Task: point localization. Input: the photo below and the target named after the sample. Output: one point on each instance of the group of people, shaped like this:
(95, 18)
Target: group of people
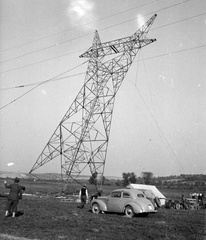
(16, 191)
(199, 197)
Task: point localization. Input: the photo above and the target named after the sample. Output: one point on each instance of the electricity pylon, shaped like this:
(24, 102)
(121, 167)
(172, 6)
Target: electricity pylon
(81, 138)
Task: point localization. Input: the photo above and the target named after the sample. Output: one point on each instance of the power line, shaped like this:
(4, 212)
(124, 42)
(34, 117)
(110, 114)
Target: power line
(31, 64)
(160, 132)
(165, 8)
(32, 84)
(150, 92)
(161, 55)
(182, 20)
(51, 35)
(54, 78)
(156, 122)
(6, 105)
(174, 52)
(54, 45)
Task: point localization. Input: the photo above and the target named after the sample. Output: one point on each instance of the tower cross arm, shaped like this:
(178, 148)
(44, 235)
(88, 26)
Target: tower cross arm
(117, 46)
(137, 40)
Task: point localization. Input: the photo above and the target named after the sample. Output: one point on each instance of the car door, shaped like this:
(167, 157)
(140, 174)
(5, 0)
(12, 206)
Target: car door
(114, 202)
(125, 198)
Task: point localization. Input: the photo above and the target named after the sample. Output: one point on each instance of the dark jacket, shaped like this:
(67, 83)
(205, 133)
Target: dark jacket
(15, 192)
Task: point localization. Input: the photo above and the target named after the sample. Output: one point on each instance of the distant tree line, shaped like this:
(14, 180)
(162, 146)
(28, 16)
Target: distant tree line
(193, 182)
(130, 177)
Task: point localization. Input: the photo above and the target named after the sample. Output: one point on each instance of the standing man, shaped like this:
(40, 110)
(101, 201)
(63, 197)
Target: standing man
(83, 195)
(15, 194)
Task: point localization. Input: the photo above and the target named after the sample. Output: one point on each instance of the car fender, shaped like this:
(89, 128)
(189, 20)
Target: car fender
(102, 204)
(137, 208)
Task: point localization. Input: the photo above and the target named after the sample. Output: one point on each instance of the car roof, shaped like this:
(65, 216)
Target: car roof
(130, 190)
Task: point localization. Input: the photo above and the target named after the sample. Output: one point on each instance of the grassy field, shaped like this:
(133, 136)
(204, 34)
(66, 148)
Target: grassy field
(45, 217)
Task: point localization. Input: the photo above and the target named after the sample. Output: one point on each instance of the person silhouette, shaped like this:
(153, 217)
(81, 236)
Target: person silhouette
(15, 194)
(83, 195)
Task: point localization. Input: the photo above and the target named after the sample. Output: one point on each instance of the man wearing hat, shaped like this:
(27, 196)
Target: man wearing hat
(15, 194)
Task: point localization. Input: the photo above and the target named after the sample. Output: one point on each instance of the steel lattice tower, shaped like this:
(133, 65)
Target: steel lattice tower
(81, 138)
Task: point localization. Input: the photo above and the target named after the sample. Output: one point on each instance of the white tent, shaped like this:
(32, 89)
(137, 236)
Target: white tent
(152, 188)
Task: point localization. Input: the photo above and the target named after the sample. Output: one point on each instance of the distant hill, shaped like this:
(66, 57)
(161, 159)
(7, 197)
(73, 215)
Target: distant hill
(13, 175)
(194, 182)
(46, 176)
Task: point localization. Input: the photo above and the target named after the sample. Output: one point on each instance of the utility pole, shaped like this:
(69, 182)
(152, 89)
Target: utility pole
(81, 138)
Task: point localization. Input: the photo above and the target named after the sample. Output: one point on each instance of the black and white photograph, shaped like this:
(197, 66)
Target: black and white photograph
(102, 119)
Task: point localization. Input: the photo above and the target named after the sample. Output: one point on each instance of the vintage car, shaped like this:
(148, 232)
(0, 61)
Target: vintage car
(127, 201)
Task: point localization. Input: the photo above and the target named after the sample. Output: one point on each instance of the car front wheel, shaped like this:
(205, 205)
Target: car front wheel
(129, 212)
(95, 208)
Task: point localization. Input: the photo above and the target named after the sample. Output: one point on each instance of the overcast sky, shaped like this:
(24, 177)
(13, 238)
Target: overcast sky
(159, 119)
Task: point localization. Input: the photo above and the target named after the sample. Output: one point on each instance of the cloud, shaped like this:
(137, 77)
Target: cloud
(43, 92)
(10, 164)
(140, 20)
(81, 12)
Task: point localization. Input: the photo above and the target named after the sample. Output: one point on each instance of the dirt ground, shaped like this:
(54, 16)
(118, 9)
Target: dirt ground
(48, 218)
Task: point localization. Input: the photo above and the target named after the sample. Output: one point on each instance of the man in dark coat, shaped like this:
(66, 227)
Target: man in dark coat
(83, 195)
(15, 194)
